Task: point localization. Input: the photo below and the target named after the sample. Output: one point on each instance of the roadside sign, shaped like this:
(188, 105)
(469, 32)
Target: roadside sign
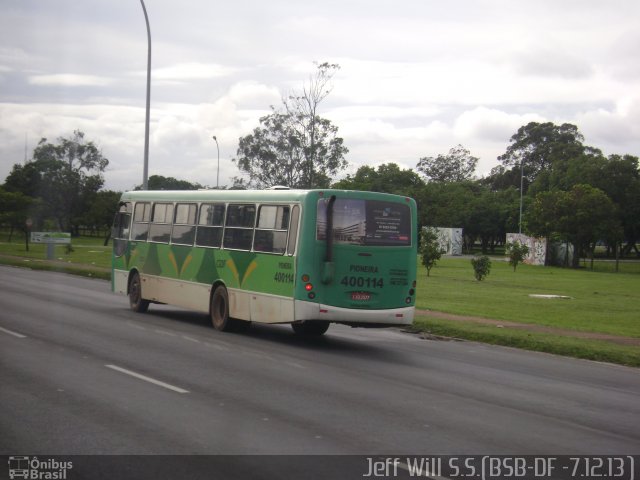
(51, 237)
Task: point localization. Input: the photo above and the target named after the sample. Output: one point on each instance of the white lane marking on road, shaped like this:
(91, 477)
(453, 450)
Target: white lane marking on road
(164, 332)
(218, 347)
(10, 332)
(147, 379)
(190, 339)
(294, 364)
(136, 326)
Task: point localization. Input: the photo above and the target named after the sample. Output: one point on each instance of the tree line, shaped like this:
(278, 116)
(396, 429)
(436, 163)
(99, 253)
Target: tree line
(547, 183)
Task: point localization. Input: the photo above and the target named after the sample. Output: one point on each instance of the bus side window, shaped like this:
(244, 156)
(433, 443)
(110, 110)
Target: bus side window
(293, 230)
(122, 222)
(120, 230)
(160, 229)
(210, 225)
(271, 230)
(141, 217)
(238, 232)
(184, 225)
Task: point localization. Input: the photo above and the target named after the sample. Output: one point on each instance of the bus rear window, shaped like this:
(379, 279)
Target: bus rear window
(366, 222)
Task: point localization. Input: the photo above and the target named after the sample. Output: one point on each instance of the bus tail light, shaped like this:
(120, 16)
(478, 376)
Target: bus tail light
(308, 286)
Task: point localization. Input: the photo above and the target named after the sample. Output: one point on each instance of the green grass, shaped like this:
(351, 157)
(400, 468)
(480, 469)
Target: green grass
(88, 256)
(541, 342)
(600, 302)
(86, 250)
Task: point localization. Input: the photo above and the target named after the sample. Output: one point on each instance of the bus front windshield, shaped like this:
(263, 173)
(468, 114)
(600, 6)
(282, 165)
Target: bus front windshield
(366, 222)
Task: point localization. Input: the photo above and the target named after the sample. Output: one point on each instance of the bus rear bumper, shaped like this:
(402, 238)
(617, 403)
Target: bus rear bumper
(355, 317)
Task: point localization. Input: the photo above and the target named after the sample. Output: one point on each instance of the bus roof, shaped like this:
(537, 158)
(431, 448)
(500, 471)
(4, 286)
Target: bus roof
(245, 195)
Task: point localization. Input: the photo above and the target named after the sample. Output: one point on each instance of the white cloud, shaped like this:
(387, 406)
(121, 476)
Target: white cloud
(70, 80)
(191, 71)
(551, 62)
(490, 125)
(618, 128)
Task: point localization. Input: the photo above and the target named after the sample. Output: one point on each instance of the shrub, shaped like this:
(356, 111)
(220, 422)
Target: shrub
(481, 267)
(517, 252)
(429, 248)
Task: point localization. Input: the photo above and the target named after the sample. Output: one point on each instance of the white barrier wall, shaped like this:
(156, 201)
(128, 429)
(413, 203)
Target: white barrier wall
(537, 247)
(450, 240)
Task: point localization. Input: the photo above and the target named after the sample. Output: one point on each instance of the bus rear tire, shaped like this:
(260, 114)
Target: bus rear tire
(136, 302)
(310, 327)
(219, 310)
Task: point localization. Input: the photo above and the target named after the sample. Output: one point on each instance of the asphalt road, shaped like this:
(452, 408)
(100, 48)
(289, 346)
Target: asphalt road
(82, 374)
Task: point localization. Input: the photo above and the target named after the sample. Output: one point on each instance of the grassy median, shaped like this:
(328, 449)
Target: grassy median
(88, 256)
(591, 302)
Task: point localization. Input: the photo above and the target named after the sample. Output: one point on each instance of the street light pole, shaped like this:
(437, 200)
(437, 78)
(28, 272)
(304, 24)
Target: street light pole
(145, 174)
(521, 187)
(218, 173)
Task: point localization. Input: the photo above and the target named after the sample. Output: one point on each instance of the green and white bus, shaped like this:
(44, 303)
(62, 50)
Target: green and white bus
(304, 257)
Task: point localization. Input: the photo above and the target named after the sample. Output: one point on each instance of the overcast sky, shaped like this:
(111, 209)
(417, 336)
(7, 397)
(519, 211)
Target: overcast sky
(417, 77)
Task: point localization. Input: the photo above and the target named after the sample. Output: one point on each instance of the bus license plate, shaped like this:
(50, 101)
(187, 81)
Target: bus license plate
(361, 296)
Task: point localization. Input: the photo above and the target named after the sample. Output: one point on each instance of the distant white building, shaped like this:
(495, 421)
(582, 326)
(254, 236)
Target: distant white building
(450, 240)
(537, 247)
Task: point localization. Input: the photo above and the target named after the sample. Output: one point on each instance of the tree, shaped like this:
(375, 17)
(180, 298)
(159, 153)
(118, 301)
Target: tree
(457, 166)
(447, 204)
(581, 216)
(65, 176)
(480, 211)
(517, 252)
(481, 267)
(536, 147)
(387, 178)
(429, 248)
(14, 210)
(99, 216)
(158, 182)
(617, 176)
(294, 146)
(492, 214)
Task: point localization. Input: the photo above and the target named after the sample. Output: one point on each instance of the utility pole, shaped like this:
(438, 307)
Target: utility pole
(145, 173)
(218, 174)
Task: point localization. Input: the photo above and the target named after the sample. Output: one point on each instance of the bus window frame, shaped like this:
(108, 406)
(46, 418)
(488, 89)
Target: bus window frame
(175, 224)
(239, 228)
(273, 229)
(146, 218)
(164, 223)
(294, 229)
(205, 226)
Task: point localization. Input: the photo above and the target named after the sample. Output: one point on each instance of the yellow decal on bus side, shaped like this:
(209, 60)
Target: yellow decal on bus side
(232, 266)
(172, 258)
(252, 266)
(186, 263)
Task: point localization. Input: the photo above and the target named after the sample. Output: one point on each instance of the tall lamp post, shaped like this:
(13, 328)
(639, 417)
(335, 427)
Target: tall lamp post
(521, 188)
(145, 173)
(218, 173)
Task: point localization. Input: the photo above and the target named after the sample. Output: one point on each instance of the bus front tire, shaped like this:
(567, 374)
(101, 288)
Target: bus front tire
(136, 302)
(310, 327)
